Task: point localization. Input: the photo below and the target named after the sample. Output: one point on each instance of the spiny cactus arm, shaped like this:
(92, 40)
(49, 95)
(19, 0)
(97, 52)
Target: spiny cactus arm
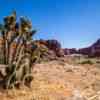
(33, 32)
(10, 21)
(15, 74)
(27, 76)
(18, 48)
(12, 31)
(20, 56)
(36, 55)
(7, 32)
(25, 25)
(1, 27)
(21, 70)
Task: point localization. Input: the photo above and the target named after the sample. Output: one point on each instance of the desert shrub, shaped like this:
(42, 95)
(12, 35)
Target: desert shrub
(17, 36)
(86, 62)
(98, 62)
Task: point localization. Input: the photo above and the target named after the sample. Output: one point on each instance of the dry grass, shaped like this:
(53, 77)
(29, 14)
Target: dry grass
(58, 81)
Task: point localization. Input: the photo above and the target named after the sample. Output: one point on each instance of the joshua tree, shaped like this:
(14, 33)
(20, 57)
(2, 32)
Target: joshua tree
(18, 61)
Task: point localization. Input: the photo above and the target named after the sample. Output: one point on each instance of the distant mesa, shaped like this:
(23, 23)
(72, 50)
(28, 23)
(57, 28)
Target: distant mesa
(55, 48)
(92, 51)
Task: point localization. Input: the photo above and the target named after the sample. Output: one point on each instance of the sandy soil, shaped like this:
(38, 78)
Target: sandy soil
(58, 80)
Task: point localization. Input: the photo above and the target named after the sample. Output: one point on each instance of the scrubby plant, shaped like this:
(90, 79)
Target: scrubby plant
(98, 62)
(87, 62)
(39, 52)
(16, 35)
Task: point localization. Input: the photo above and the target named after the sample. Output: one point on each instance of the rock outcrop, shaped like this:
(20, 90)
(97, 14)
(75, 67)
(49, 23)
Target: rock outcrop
(53, 46)
(55, 49)
(70, 51)
(91, 51)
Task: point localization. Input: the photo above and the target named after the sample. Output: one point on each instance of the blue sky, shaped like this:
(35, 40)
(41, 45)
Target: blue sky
(75, 23)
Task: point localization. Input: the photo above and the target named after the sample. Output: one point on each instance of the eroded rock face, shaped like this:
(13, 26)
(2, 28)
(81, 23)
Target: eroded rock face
(84, 51)
(54, 46)
(92, 51)
(70, 51)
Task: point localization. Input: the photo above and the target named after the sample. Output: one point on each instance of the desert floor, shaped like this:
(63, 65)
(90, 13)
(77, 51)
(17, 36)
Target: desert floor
(59, 80)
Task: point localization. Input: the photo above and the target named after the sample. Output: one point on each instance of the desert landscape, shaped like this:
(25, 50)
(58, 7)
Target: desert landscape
(60, 80)
(43, 70)
(62, 65)
(61, 76)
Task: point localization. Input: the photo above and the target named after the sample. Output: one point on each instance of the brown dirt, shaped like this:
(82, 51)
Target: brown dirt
(59, 81)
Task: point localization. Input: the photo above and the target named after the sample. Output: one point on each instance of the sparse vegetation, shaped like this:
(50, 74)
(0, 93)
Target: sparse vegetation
(86, 62)
(98, 62)
(16, 36)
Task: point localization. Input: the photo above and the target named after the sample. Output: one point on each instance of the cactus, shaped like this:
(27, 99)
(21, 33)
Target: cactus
(17, 58)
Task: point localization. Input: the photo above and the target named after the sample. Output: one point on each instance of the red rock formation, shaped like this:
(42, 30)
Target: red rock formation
(84, 51)
(52, 45)
(55, 47)
(92, 51)
(70, 51)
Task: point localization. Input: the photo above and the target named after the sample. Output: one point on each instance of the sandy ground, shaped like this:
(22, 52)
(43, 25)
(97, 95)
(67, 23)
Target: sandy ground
(58, 80)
